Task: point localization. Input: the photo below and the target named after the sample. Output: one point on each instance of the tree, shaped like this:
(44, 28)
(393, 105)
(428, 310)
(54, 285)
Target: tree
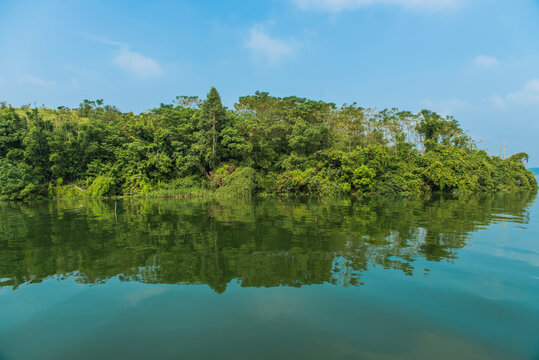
(211, 123)
(36, 142)
(267, 144)
(434, 129)
(12, 128)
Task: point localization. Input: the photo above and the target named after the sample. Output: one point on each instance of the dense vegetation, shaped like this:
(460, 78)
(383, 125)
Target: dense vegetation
(266, 145)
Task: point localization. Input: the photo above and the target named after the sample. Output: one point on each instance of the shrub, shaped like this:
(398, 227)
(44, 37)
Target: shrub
(101, 186)
(241, 182)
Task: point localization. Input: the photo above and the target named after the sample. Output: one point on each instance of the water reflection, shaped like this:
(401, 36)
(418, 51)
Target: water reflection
(265, 242)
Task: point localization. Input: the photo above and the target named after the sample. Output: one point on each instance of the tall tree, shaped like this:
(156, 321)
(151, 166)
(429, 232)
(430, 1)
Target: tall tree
(212, 122)
(36, 143)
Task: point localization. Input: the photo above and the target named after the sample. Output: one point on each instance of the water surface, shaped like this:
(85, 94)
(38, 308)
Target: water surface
(437, 278)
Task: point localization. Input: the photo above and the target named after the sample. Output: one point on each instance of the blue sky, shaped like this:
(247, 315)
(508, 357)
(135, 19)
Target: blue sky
(475, 59)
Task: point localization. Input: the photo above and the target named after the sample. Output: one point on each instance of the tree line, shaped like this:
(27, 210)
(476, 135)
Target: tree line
(264, 145)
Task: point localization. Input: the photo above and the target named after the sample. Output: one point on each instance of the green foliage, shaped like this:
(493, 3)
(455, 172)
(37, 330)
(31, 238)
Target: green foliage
(15, 181)
(268, 145)
(296, 182)
(101, 186)
(306, 182)
(240, 183)
(212, 121)
(363, 178)
(29, 191)
(436, 130)
(67, 191)
(511, 173)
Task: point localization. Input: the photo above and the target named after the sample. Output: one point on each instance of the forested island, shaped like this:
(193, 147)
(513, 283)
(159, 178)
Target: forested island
(265, 145)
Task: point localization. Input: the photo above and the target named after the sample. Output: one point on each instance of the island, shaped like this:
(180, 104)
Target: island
(265, 145)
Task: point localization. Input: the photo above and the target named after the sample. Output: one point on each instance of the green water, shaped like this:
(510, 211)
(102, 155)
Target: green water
(436, 278)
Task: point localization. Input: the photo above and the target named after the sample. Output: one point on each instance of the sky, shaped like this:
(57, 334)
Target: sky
(477, 60)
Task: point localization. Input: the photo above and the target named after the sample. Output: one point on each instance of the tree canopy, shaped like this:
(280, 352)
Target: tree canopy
(266, 144)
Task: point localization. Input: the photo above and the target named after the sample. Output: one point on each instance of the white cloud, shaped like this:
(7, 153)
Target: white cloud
(446, 107)
(36, 80)
(137, 64)
(74, 83)
(104, 40)
(133, 298)
(272, 49)
(486, 61)
(340, 5)
(498, 102)
(527, 95)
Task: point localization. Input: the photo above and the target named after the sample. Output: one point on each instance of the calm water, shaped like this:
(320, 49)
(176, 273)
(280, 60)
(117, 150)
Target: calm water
(271, 279)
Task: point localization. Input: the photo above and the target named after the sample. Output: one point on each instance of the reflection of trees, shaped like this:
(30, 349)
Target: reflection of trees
(268, 242)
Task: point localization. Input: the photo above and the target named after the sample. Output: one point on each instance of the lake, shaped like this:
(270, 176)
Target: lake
(380, 278)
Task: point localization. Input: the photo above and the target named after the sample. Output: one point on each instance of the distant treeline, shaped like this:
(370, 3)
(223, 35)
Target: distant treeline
(267, 145)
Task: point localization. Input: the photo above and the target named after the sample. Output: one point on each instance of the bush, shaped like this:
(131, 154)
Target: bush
(307, 182)
(362, 178)
(136, 184)
(101, 186)
(29, 191)
(241, 182)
